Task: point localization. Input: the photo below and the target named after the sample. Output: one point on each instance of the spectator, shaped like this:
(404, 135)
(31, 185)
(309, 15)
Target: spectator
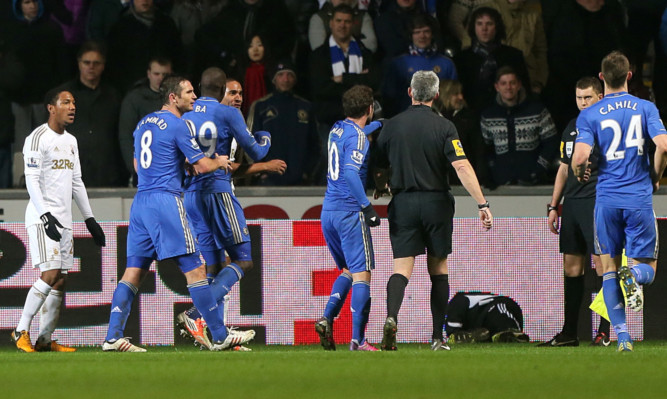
(39, 45)
(143, 99)
(221, 42)
(96, 124)
(141, 32)
(519, 132)
(335, 67)
(291, 122)
(102, 16)
(579, 36)
(257, 69)
(11, 75)
(422, 55)
(478, 64)
(302, 11)
(459, 17)
(525, 31)
(453, 106)
(190, 15)
(362, 25)
(391, 27)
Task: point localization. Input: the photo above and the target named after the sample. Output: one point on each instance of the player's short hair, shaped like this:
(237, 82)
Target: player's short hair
(213, 82)
(158, 59)
(589, 81)
(356, 101)
(507, 70)
(494, 15)
(424, 85)
(92, 45)
(51, 97)
(615, 68)
(171, 84)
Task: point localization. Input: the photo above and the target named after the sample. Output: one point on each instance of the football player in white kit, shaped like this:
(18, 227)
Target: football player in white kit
(53, 177)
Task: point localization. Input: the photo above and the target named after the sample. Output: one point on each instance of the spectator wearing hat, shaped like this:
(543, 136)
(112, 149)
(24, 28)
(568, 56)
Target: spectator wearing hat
(291, 122)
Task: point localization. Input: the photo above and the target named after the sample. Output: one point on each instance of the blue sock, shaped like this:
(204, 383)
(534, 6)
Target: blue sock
(202, 297)
(613, 299)
(644, 274)
(225, 280)
(361, 298)
(121, 304)
(338, 295)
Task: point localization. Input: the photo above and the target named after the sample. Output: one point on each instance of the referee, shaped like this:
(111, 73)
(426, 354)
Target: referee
(419, 144)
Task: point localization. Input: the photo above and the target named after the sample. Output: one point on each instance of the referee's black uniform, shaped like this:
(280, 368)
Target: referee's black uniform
(419, 145)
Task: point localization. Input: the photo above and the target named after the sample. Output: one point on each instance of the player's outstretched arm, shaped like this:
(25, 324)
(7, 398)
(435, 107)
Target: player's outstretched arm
(468, 178)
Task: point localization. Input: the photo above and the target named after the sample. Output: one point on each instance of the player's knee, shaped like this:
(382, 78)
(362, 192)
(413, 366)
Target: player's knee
(245, 265)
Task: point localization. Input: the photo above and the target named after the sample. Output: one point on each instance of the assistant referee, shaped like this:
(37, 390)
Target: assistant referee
(419, 144)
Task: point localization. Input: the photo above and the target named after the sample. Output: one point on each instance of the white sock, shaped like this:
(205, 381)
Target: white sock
(36, 297)
(49, 316)
(225, 309)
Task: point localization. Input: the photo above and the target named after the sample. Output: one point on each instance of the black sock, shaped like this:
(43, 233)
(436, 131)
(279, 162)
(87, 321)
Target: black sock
(395, 291)
(439, 298)
(574, 292)
(604, 323)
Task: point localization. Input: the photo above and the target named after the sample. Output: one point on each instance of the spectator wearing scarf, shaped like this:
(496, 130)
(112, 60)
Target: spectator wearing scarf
(422, 55)
(340, 63)
(477, 65)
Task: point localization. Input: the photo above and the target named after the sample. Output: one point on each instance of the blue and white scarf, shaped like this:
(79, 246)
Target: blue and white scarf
(355, 60)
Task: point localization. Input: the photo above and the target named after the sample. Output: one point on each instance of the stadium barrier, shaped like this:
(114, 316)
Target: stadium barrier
(289, 286)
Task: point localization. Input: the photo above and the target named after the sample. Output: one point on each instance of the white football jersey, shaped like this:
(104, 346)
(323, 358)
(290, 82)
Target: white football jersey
(54, 158)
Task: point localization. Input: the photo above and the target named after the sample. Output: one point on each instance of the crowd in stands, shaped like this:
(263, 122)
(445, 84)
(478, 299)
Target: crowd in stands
(507, 67)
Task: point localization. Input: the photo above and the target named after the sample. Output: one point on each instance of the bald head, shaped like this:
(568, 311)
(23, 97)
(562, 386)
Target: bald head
(213, 83)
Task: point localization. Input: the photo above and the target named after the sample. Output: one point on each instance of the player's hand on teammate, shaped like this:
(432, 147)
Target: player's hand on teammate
(51, 225)
(276, 166)
(96, 231)
(223, 162)
(372, 217)
(190, 169)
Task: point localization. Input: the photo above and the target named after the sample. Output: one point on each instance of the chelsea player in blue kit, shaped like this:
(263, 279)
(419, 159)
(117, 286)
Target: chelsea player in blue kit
(624, 215)
(158, 223)
(346, 217)
(215, 213)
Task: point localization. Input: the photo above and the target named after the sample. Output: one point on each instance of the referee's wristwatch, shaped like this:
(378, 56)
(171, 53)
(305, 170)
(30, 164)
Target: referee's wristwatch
(483, 206)
(551, 208)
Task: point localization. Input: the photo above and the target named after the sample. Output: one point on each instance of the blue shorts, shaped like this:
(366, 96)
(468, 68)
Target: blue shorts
(159, 227)
(634, 229)
(349, 240)
(218, 223)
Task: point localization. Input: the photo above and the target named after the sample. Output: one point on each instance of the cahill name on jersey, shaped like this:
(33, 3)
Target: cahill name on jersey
(621, 126)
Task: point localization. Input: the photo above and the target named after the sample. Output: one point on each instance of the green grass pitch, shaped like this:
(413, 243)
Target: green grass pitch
(467, 371)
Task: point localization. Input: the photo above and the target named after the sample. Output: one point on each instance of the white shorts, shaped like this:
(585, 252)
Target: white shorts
(48, 254)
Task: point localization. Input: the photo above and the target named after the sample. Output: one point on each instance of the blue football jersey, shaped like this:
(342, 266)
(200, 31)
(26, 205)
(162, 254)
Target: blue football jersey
(162, 141)
(621, 126)
(216, 125)
(347, 148)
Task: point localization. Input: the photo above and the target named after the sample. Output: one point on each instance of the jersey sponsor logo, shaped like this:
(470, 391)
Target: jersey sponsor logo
(62, 164)
(357, 156)
(568, 148)
(458, 148)
(33, 162)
